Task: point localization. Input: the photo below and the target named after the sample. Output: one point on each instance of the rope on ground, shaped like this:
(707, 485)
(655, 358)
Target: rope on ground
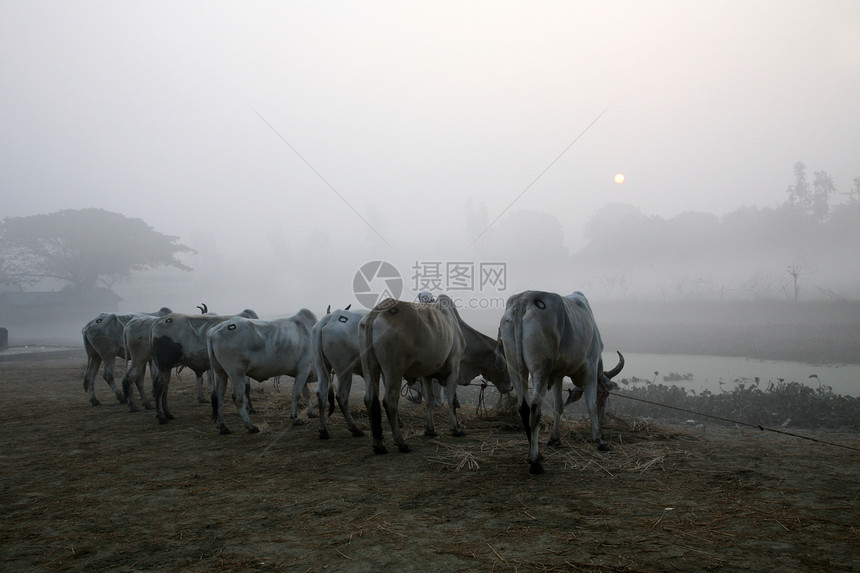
(410, 393)
(759, 426)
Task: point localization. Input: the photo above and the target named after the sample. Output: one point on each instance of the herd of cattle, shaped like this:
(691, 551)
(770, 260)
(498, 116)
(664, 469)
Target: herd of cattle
(543, 337)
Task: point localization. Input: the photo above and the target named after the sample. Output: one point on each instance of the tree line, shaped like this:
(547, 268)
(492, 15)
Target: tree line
(807, 246)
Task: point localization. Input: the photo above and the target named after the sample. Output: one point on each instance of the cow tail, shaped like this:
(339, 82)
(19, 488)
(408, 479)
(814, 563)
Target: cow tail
(518, 342)
(368, 359)
(369, 367)
(90, 350)
(519, 365)
(321, 367)
(316, 344)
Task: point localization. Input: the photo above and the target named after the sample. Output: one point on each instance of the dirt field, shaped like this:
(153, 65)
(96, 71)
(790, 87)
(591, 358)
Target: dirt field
(99, 488)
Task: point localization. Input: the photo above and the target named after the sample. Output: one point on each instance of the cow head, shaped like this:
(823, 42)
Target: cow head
(604, 384)
(608, 375)
(501, 363)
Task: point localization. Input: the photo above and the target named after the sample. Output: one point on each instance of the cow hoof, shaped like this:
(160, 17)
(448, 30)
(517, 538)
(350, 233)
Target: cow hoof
(536, 468)
(604, 448)
(430, 433)
(554, 442)
(324, 435)
(149, 406)
(458, 433)
(312, 414)
(161, 419)
(252, 410)
(224, 430)
(253, 430)
(95, 402)
(123, 401)
(404, 448)
(379, 450)
(356, 433)
(170, 417)
(298, 422)
(133, 408)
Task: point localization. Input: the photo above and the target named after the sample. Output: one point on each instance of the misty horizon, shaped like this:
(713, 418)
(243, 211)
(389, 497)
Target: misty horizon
(290, 144)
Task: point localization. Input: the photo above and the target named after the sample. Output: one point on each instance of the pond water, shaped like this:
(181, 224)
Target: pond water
(709, 371)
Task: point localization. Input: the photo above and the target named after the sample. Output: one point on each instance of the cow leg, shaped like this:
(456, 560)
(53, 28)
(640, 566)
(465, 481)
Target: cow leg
(240, 384)
(439, 394)
(371, 403)
(451, 391)
(390, 403)
(251, 409)
(590, 395)
(133, 376)
(299, 387)
(429, 406)
(93, 363)
(322, 397)
(200, 397)
(216, 398)
(344, 387)
(140, 385)
(127, 392)
(557, 410)
(107, 374)
(539, 387)
(159, 391)
(306, 393)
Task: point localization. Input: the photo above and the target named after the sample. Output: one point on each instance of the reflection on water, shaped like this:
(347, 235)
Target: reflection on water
(709, 371)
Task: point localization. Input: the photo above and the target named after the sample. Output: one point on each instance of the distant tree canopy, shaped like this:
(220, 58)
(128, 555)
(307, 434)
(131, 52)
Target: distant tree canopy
(85, 248)
(814, 200)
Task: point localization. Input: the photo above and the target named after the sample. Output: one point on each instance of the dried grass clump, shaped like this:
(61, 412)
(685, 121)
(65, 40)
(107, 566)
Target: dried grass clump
(638, 447)
(456, 458)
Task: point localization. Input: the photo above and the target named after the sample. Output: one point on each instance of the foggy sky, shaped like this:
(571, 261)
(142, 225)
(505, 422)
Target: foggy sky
(428, 119)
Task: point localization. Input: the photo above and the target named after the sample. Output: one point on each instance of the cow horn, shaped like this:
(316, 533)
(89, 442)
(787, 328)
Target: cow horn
(328, 309)
(203, 308)
(614, 372)
(347, 306)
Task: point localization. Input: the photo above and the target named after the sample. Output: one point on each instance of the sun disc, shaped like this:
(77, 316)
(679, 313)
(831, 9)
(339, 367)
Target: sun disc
(619, 178)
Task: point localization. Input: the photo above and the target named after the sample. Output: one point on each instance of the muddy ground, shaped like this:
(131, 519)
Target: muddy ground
(88, 488)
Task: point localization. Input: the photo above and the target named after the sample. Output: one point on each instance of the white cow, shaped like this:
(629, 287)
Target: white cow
(103, 342)
(400, 340)
(335, 348)
(241, 348)
(139, 352)
(180, 340)
(549, 336)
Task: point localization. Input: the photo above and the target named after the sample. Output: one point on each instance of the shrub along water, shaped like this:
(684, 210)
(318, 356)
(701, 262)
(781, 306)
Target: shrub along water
(781, 404)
